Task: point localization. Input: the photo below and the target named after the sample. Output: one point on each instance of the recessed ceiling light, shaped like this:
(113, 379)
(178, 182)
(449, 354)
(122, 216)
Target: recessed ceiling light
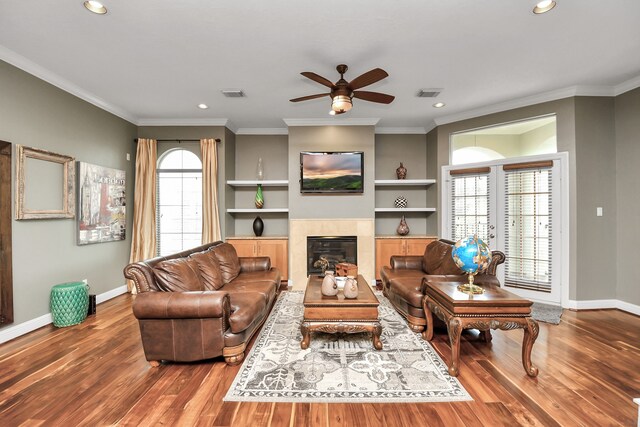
(203, 106)
(544, 6)
(439, 104)
(95, 7)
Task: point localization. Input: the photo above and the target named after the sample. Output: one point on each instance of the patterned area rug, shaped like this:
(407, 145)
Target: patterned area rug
(342, 367)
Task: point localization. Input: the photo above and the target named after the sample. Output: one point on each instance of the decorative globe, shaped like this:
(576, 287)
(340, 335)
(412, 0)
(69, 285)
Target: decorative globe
(471, 254)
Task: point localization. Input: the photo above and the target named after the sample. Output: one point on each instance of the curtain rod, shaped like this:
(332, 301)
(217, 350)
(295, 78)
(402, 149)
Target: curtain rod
(178, 140)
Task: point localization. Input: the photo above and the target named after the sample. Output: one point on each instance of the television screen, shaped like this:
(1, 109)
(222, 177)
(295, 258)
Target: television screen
(337, 172)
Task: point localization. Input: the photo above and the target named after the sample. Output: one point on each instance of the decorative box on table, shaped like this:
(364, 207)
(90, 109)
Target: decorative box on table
(346, 269)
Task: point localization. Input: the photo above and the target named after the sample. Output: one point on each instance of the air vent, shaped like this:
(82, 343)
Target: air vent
(233, 93)
(429, 93)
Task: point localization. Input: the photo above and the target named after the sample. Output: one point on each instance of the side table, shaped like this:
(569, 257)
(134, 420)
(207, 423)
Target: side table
(495, 309)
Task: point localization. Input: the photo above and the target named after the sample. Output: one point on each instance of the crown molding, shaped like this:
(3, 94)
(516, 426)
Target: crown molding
(627, 86)
(401, 131)
(262, 131)
(184, 122)
(331, 122)
(36, 70)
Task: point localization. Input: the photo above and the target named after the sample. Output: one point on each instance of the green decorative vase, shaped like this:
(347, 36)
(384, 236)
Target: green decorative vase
(69, 303)
(259, 197)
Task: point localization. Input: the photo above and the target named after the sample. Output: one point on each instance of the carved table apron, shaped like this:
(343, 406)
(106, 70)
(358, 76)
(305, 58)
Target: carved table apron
(495, 309)
(336, 314)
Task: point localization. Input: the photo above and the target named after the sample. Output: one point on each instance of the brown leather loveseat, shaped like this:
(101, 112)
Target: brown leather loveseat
(201, 303)
(402, 282)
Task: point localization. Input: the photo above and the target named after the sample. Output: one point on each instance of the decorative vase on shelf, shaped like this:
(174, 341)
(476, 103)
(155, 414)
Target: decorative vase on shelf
(259, 197)
(329, 286)
(259, 170)
(351, 288)
(403, 228)
(401, 202)
(401, 172)
(258, 226)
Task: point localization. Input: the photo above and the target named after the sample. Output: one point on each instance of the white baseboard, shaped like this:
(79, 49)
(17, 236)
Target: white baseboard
(604, 304)
(11, 332)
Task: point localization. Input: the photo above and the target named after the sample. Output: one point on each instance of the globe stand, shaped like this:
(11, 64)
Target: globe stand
(470, 288)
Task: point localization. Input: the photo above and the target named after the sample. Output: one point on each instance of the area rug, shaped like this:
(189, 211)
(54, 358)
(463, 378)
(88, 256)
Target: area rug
(341, 367)
(546, 313)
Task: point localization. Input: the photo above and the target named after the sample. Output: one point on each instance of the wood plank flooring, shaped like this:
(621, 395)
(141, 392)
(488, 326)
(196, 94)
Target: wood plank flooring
(95, 374)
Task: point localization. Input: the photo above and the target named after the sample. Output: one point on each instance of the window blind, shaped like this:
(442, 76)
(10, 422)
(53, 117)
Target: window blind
(470, 205)
(528, 226)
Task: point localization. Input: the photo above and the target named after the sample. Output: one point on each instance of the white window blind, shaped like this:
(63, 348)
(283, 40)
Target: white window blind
(470, 205)
(528, 226)
(178, 202)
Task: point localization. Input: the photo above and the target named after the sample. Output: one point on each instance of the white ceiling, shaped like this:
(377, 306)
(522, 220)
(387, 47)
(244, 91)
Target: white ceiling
(152, 62)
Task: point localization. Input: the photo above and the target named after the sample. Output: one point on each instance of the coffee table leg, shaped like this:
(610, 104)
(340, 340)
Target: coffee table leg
(375, 333)
(427, 333)
(455, 330)
(531, 330)
(306, 336)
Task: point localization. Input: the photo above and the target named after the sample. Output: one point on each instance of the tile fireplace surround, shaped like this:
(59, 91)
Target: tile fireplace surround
(299, 229)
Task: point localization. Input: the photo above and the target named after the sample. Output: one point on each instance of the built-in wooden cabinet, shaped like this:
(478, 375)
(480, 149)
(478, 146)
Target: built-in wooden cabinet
(386, 247)
(275, 248)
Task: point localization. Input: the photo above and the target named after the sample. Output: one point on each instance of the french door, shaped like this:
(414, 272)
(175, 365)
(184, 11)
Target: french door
(515, 206)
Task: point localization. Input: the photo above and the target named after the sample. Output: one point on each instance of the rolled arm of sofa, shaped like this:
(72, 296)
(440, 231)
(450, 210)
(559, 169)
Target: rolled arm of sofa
(497, 258)
(406, 262)
(140, 275)
(254, 263)
(182, 305)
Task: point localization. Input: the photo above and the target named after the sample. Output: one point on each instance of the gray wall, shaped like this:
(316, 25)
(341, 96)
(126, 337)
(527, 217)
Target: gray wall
(566, 134)
(36, 114)
(595, 186)
(331, 138)
(627, 126)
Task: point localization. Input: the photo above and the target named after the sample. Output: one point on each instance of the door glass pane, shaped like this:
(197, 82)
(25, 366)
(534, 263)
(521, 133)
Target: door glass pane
(470, 204)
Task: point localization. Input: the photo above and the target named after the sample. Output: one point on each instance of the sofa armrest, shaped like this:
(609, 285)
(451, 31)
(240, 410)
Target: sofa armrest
(407, 262)
(140, 275)
(254, 263)
(497, 258)
(182, 305)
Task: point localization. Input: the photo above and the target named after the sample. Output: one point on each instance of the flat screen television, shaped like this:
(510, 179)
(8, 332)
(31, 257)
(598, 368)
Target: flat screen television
(332, 172)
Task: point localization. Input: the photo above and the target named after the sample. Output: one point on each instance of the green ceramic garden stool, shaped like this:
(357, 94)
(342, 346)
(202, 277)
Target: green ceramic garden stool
(69, 303)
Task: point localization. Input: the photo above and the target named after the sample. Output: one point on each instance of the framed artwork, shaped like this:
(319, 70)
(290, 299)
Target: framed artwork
(102, 204)
(44, 184)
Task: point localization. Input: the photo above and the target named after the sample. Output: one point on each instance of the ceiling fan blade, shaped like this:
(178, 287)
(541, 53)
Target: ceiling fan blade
(381, 98)
(306, 98)
(317, 78)
(368, 78)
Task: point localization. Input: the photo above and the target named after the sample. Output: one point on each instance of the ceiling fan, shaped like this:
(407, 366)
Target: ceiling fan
(343, 92)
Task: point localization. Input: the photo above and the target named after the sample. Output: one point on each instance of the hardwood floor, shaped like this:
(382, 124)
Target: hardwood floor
(95, 374)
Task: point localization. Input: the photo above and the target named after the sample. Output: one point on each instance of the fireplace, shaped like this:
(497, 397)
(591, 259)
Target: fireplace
(333, 249)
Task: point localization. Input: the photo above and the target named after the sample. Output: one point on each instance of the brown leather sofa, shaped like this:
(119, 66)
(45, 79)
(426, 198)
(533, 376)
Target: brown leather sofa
(201, 303)
(402, 282)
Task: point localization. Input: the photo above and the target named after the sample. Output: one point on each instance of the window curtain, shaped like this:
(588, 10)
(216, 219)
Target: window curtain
(143, 241)
(210, 214)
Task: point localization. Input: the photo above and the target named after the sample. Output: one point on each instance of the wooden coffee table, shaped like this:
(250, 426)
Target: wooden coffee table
(338, 314)
(495, 309)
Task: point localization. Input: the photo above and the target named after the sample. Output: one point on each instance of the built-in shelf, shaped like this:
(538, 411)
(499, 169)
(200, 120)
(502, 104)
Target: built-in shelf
(403, 182)
(405, 209)
(254, 210)
(265, 183)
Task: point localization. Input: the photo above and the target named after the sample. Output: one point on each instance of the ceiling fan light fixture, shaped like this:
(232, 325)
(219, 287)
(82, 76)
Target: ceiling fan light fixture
(95, 7)
(544, 6)
(341, 104)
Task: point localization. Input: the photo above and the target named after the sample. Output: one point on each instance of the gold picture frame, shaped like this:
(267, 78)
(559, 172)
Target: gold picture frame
(25, 182)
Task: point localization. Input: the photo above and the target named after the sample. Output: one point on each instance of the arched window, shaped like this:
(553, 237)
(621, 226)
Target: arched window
(179, 201)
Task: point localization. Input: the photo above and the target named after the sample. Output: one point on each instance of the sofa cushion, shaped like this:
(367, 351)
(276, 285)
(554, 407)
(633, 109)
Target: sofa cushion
(437, 259)
(407, 288)
(209, 267)
(266, 288)
(178, 275)
(229, 262)
(247, 308)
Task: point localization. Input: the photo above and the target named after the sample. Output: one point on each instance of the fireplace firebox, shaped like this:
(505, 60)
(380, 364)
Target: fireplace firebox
(330, 250)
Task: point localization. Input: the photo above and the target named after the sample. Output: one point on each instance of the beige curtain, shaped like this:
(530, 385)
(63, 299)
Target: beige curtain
(210, 214)
(143, 241)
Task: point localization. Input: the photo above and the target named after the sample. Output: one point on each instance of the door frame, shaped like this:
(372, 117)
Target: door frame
(564, 217)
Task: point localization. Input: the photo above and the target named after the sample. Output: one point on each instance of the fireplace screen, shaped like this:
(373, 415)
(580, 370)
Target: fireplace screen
(329, 251)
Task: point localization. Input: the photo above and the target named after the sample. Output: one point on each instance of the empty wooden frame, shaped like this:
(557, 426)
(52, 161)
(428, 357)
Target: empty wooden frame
(45, 184)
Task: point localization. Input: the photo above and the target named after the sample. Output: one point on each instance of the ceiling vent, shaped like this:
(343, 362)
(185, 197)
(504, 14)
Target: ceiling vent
(233, 93)
(429, 93)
